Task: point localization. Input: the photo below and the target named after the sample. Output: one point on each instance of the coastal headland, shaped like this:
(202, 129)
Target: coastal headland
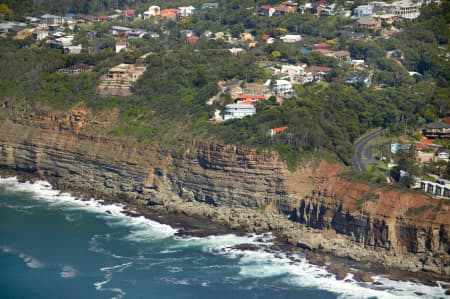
(313, 208)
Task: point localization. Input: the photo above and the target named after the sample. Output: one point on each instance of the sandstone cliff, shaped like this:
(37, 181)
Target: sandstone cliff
(313, 207)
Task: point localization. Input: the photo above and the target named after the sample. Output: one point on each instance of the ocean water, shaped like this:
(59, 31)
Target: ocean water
(53, 246)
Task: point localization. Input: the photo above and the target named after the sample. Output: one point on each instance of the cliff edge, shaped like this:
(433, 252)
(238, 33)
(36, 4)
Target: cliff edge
(314, 207)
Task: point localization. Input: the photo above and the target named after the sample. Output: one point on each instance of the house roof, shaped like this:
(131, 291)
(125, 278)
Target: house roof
(279, 129)
(265, 37)
(446, 120)
(128, 12)
(341, 53)
(265, 7)
(251, 96)
(192, 39)
(322, 46)
(438, 125)
(367, 20)
(323, 51)
(317, 69)
(79, 67)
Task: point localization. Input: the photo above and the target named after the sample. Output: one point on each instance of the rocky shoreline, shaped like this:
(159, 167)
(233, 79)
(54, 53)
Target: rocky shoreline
(200, 219)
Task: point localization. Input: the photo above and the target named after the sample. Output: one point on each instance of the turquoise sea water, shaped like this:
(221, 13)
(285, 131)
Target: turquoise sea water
(53, 246)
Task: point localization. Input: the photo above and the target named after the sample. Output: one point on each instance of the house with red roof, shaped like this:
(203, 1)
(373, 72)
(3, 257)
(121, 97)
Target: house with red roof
(129, 14)
(169, 14)
(250, 97)
(266, 10)
(275, 131)
(192, 39)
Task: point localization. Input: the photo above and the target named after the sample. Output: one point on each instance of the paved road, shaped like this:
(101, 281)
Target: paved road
(357, 158)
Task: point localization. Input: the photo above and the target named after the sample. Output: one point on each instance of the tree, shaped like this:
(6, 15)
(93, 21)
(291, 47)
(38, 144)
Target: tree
(407, 167)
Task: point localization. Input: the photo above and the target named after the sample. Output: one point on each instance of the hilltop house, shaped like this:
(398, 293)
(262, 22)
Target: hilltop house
(405, 9)
(282, 88)
(153, 11)
(119, 79)
(437, 130)
(368, 23)
(186, 11)
(233, 111)
(121, 45)
(291, 38)
(275, 131)
(76, 69)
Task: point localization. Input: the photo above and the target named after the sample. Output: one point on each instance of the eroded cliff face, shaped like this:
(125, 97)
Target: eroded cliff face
(313, 207)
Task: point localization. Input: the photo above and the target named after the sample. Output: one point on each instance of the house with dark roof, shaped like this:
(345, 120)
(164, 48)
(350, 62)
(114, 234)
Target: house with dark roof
(437, 130)
(76, 69)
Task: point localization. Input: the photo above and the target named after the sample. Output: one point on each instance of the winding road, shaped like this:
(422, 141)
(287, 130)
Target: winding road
(357, 159)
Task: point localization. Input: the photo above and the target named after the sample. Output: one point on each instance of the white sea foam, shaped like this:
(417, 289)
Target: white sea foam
(68, 272)
(30, 261)
(256, 264)
(260, 264)
(141, 228)
(108, 276)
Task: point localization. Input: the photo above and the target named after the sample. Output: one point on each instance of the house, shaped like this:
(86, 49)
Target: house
(119, 79)
(136, 33)
(213, 5)
(119, 31)
(192, 39)
(368, 23)
(255, 88)
(283, 88)
(76, 69)
(153, 11)
(291, 38)
(268, 39)
(322, 46)
(437, 130)
(128, 14)
(266, 10)
(121, 45)
(169, 14)
(39, 34)
(233, 111)
(246, 36)
(237, 51)
(49, 19)
(443, 155)
(249, 97)
(186, 11)
(363, 10)
(73, 49)
(317, 72)
(62, 42)
(283, 10)
(342, 55)
(275, 131)
(405, 9)
(424, 143)
(324, 52)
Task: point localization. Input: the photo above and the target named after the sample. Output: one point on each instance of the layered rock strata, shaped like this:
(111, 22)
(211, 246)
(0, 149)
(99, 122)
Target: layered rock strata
(241, 188)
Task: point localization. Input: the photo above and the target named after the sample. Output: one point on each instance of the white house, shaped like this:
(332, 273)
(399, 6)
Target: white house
(152, 11)
(282, 87)
(186, 11)
(40, 34)
(363, 10)
(291, 38)
(120, 45)
(405, 9)
(238, 111)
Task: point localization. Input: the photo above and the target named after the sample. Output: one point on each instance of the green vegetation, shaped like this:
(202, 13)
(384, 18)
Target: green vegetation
(169, 102)
(418, 211)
